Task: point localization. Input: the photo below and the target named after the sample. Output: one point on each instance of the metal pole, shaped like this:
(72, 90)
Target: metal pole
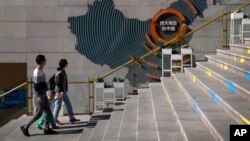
(29, 99)
(222, 32)
(227, 43)
(91, 97)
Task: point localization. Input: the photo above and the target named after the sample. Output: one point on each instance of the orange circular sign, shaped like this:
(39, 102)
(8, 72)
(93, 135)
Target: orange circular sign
(168, 24)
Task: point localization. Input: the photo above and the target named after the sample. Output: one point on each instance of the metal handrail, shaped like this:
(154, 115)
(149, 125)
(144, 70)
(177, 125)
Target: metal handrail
(14, 83)
(12, 90)
(79, 82)
(28, 84)
(167, 43)
(25, 84)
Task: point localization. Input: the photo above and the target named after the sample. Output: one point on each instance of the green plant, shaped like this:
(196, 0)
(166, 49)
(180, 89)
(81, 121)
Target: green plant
(162, 46)
(108, 85)
(176, 51)
(247, 16)
(238, 11)
(121, 80)
(186, 46)
(97, 79)
(117, 79)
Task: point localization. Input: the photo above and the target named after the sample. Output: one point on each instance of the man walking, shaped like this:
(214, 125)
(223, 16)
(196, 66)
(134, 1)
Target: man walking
(40, 88)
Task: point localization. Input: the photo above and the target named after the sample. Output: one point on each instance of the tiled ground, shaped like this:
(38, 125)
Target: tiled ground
(67, 132)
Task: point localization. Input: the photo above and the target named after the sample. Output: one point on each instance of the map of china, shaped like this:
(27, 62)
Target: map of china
(106, 37)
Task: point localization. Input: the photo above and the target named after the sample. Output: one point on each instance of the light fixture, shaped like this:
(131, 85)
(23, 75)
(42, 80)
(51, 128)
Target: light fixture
(235, 58)
(221, 65)
(209, 73)
(242, 60)
(194, 79)
(225, 67)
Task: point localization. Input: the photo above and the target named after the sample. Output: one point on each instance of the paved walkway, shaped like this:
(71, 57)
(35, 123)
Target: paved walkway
(67, 132)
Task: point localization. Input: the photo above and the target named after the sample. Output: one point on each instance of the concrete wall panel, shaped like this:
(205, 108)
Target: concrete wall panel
(13, 44)
(13, 57)
(41, 2)
(13, 13)
(41, 29)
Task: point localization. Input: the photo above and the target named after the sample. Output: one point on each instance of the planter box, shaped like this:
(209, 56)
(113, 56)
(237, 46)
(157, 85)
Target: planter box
(119, 91)
(187, 54)
(186, 51)
(99, 96)
(166, 62)
(237, 16)
(176, 57)
(167, 51)
(109, 96)
(99, 85)
(246, 21)
(247, 41)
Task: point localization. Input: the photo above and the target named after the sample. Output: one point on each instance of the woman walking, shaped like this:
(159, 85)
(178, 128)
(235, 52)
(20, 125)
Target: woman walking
(61, 90)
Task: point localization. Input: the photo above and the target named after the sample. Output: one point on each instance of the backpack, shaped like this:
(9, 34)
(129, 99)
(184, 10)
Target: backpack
(52, 83)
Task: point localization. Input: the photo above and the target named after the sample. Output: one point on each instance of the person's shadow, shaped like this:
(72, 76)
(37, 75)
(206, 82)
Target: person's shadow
(76, 128)
(75, 131)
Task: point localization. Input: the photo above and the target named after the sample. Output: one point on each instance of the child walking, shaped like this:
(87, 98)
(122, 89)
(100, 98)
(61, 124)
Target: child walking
(51, 98)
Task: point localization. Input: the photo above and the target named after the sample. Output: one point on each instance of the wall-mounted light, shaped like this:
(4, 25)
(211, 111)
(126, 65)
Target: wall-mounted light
(225, 67)
(235, 58)
(248, 51)
(209, 73)
(221, 65)
(194, 79)
(242, 60)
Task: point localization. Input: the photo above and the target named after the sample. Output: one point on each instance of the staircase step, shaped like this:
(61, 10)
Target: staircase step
(147, 123)
(12, 125)
(236, 106)
(128, 130)
(214, 118)
(185, 113)
(227, 64)
(112, 131)
(247, 41)
(97, 121)
(237, 84)
(236, 56)
(240, 48)
(100, 127)
(167, 124)
(86, 134)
